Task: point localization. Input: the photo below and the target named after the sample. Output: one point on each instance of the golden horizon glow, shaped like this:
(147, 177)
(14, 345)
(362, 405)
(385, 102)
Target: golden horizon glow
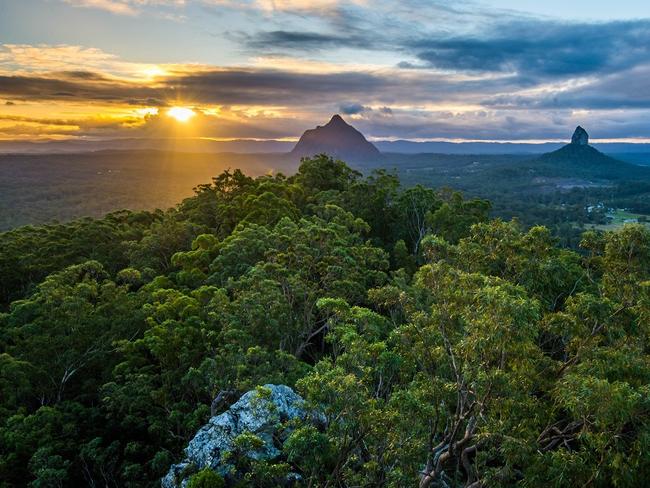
(181, 114)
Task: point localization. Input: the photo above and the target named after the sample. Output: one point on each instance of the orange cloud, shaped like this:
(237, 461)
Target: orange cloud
(123, 7)
(112, 6)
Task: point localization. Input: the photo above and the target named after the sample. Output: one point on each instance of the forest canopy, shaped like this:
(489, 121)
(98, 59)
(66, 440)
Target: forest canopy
(444, 349)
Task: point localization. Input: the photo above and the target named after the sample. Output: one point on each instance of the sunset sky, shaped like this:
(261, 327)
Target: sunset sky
(268, 69)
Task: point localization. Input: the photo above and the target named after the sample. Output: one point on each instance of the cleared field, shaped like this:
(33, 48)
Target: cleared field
(620, 217)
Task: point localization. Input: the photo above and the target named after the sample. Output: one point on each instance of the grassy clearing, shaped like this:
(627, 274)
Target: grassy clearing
(619, 218)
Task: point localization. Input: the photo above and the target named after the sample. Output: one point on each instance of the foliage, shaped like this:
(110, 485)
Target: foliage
(443, 348)
(206, 478)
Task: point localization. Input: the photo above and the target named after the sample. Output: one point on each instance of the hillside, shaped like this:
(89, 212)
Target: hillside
(321, 329)
(556, 189)
(579, 159)
(573, 167)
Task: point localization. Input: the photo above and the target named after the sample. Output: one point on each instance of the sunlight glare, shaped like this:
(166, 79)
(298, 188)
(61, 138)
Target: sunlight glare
(153, 71)
(181, 114)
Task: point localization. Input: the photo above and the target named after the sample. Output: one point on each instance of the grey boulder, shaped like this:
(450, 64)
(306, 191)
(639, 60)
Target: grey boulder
(264, 413)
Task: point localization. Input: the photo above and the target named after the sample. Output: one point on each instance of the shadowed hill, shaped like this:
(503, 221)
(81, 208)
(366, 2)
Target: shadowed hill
(580, 159)
(337, 138)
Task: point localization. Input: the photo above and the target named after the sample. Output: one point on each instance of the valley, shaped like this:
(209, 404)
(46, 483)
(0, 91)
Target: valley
(43, 188)
(555, 189)
(570, 189)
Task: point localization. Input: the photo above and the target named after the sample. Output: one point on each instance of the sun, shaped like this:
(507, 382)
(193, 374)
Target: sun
(181, 114)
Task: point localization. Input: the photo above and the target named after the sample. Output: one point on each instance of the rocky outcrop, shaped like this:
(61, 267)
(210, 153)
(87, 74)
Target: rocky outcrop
(580, 137)
(579, 159)
(265, 412)
(337, 138)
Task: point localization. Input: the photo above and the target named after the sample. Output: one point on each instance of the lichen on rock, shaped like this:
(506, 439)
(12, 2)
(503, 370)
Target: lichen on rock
(266, 412)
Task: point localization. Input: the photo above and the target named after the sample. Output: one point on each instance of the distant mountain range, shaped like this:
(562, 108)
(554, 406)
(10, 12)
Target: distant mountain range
(242, 146)
(67, 180)
(411, 147)
(336, 137)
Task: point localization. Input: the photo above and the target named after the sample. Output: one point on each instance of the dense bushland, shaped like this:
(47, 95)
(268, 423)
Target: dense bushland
(445, 349)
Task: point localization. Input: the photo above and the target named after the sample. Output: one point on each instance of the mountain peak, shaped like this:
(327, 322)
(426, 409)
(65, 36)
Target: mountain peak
(580, 137)
(579, 155)
(337, 120)
(337, 138)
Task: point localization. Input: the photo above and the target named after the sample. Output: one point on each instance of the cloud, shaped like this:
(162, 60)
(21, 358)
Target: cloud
(247, 86)
(112, 6)
(435, 72)
(482, 41)
(299, 40)
(253, 86)
(226, 123)
(394, 103)
(26, 57)
(541, 48)
(624, 90)
(302, 5)
(73, 62)
(37, 120)
(42, 88)
(137, 7)
(354, 108)
(124, 7)
(532, 77)
(380, 25)
(313, 7)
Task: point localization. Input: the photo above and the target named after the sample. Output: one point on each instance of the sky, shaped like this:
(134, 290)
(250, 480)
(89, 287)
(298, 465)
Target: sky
(495, 70)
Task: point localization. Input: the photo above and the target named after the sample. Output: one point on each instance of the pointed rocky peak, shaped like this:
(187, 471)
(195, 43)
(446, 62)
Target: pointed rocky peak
(337, 120)
(580, 137)
(580, 155)
(336, 138)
